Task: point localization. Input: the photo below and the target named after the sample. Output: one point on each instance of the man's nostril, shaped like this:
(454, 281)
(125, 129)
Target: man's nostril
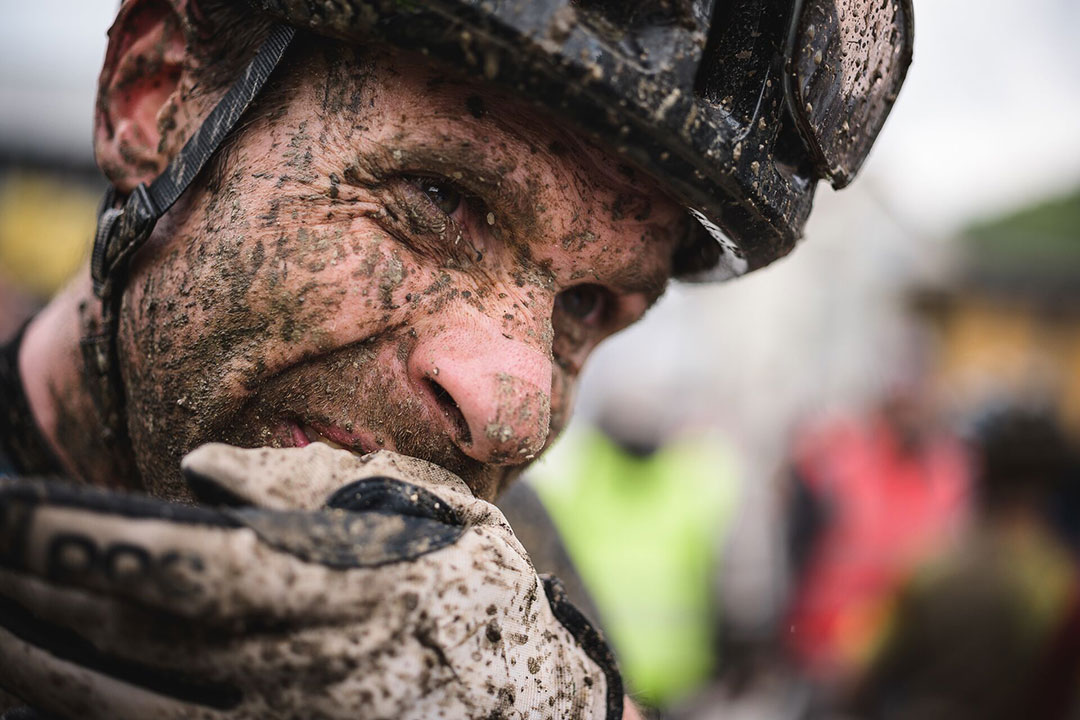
(442, 396)
(450, 408)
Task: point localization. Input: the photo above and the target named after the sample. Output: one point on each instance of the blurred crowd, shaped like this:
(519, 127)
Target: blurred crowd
(931, 573)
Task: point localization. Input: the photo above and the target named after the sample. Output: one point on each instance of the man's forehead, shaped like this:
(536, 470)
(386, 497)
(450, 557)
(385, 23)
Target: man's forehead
(551, 188)
(407, 91)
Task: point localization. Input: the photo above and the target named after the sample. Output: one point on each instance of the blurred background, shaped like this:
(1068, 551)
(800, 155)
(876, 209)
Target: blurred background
(814, 491)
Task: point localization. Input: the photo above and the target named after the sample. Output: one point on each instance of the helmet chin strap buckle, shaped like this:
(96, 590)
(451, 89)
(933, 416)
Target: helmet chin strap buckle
(120, 231)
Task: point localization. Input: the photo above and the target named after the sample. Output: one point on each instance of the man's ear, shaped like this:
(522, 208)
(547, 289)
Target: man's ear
(141, 108)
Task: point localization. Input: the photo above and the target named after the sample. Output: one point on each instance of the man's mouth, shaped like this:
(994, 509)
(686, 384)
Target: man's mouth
(358, 443)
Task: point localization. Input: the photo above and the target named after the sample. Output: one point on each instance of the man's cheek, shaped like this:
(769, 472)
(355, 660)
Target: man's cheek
(355, 389)
(218, 314)
(323, 289)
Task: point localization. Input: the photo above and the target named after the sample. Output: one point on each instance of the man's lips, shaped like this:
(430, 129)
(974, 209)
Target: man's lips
(358, 443)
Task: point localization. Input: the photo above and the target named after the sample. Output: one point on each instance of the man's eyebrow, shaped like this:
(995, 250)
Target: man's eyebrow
(474, 167)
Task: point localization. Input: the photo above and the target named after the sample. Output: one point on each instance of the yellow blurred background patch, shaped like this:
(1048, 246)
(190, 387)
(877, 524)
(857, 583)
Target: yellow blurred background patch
(46, 229)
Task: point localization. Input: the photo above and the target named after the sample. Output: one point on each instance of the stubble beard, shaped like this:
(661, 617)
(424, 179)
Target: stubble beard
(348, 388)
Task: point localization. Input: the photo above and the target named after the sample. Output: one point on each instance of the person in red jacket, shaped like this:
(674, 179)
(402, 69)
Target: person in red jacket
(991, 628)
(875, 495)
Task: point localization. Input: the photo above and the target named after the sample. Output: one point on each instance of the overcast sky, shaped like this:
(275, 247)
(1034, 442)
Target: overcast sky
(990, 115)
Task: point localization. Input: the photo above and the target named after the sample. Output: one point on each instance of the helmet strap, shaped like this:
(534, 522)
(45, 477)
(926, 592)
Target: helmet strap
(122, 230)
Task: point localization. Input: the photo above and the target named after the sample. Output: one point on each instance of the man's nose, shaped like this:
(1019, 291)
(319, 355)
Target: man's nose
(493, 391)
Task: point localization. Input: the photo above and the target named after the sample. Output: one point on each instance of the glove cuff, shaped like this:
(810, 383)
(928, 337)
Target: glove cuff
(590, 639)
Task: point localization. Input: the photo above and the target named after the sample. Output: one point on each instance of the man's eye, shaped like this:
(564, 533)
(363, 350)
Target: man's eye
(586, 303)
(445, 196)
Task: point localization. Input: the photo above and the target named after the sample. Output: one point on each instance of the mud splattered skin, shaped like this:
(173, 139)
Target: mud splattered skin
(386, 257)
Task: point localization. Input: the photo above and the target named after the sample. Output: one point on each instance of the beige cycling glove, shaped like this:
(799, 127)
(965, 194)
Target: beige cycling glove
(319, 585)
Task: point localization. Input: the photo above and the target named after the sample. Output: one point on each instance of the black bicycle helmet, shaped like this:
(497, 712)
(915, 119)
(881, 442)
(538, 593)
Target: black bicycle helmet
(737, 108)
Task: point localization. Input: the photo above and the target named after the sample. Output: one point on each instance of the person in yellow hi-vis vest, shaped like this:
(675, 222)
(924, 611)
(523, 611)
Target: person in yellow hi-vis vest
(643, 520)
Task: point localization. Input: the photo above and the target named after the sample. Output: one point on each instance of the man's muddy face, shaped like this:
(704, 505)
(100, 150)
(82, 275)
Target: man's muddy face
(394, 259)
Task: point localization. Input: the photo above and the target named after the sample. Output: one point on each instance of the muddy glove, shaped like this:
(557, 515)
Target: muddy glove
(331, 586)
